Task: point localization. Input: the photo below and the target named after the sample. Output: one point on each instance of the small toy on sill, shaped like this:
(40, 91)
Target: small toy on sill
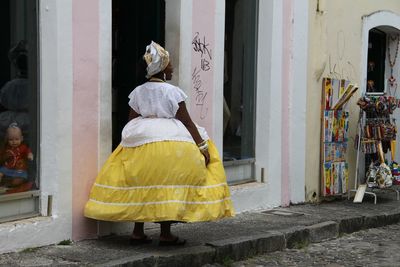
(14, 158)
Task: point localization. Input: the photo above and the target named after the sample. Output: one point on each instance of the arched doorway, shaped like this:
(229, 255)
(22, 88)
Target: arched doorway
(380, 72)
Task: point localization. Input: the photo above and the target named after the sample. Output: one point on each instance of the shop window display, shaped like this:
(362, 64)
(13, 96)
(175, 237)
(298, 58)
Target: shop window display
(18, 107)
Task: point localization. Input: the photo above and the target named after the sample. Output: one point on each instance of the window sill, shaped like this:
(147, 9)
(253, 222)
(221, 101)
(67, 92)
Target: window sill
(22, 195)
(239, 162)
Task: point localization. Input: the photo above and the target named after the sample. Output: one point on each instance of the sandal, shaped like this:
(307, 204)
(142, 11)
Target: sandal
(174, 242)
(140, 241)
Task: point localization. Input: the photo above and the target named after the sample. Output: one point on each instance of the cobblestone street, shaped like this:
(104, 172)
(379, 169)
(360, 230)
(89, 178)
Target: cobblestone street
(373, 247)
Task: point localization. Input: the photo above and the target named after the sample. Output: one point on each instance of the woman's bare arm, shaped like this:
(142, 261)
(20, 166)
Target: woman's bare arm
(183, 115)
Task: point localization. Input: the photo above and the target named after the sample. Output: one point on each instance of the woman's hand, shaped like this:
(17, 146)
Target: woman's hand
(206, 156)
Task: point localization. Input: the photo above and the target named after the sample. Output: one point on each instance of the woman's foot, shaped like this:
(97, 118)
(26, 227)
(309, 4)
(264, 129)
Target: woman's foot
(138, 237)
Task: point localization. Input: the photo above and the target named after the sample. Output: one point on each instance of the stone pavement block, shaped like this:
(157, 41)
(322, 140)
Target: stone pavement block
(145, 261)
(350, 225)
(323, 231)
(297, 237)
(373, 221)
(246, 246)
(187, 256)
(392, 217)
(168, 256)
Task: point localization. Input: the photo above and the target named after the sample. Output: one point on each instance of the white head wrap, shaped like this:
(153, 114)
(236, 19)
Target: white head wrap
(156, 57)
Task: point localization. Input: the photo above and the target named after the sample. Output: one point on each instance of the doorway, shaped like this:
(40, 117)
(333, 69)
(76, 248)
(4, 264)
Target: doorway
(134, 25)
(376, 60)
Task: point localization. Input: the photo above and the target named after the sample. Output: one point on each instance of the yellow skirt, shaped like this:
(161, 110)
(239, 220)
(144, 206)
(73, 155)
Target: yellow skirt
(160, 181)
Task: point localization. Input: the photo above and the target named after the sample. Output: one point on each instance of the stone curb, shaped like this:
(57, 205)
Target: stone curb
(234, 249)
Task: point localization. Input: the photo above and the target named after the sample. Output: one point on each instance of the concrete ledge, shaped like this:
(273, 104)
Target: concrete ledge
(186, 256)
(323, 231)
(297, 237)
(190, 256)
(143, 261)
(243, 247)
(392, 218)
(350, 225)
(239, 248)
(374, 221)
(236, 238)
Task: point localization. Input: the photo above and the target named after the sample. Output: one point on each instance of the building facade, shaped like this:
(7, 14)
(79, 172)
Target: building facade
(252, 73)
(345, 38)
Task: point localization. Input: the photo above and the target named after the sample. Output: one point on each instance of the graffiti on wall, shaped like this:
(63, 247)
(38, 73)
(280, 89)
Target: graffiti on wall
(203, 64)
(340, 67)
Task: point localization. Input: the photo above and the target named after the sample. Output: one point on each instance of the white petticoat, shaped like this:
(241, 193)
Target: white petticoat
(140, 131)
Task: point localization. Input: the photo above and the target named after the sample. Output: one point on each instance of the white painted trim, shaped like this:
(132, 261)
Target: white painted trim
(178, 40)
(218, 97)
(298, 101)
(172, 35)
(185, 52)
(105, 93)
(105, 80)
(268, 106)
(55, 55)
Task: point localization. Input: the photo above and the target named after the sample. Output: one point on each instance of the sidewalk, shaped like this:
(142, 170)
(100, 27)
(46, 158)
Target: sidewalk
(245, 235)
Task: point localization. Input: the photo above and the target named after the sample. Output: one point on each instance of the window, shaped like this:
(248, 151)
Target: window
(19, 92)
(239, 82)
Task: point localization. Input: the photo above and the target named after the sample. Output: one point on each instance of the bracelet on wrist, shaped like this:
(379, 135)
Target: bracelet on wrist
(204, 142)
(203, 148)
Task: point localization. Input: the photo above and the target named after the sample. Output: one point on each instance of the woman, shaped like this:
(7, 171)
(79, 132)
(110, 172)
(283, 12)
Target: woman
(165, 169)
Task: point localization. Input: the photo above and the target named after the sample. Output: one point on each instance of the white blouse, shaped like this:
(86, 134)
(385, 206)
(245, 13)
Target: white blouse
(155, 99)
(157, 103)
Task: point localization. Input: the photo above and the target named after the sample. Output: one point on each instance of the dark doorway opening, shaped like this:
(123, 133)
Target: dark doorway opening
(376, 61)
(135, 24)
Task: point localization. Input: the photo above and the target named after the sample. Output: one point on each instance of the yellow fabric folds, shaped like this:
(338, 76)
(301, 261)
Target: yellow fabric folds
(160, 181)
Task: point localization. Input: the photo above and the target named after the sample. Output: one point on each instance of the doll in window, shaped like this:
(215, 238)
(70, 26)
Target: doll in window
(14, 158)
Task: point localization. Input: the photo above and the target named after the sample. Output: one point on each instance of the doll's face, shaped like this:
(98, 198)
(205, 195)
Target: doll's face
(14, 137)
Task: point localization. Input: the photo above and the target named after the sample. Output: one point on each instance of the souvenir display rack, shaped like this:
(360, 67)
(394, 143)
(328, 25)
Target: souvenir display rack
(376, 136)
(334, 136)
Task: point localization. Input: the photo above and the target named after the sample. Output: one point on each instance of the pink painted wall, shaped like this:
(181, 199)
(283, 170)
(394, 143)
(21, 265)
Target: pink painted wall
(203, 29)
(85, 30)
(286, 83)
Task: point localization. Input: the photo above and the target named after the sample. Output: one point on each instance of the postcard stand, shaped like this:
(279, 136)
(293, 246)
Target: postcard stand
(334, 136)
